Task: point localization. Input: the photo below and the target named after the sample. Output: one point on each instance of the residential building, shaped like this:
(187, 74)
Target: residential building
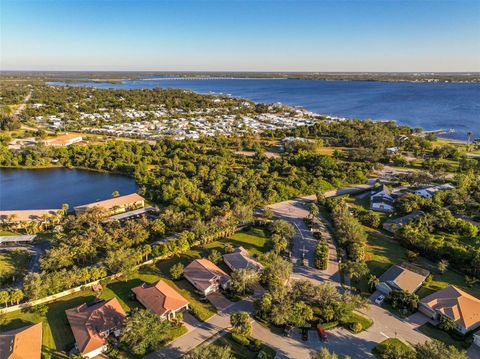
(381, 199)
(115, 205)
(64, 140)
(92, 324)
(241, 259)
(400, 278)
(22, 343)
(454, 303)
(17, 239)
(205, 276)
(429, 192)
(160, 299)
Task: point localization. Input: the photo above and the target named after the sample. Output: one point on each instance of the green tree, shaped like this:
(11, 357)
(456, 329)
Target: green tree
(215, 256)
(442, 266)
(435, 349)
(210, 351)
(446, 324)
(4, 297)
(144, 331)
(176, 271)
(16, 296)
(244, 280)
(241, 323)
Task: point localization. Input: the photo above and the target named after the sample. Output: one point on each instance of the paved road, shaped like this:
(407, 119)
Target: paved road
(23, 104)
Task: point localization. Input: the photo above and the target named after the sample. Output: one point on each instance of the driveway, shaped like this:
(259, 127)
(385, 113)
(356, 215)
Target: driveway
(219, 301)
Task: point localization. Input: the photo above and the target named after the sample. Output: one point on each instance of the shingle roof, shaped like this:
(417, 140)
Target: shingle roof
(89, 322)
(403, 278)
(456, 304)
(23, 343)
(202, 274)
(240, 258)
(159, 297)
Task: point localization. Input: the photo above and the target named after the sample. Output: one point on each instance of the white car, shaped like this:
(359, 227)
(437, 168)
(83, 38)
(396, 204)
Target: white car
(379, 300)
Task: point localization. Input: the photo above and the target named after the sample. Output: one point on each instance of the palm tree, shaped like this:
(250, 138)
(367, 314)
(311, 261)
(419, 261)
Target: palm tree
(469, 136)
(373, 281)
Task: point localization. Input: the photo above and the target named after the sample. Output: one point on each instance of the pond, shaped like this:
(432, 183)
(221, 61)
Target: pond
(50, 188)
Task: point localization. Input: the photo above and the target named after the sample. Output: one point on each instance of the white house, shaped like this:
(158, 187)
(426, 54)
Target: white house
(429, 192)
(381, 199)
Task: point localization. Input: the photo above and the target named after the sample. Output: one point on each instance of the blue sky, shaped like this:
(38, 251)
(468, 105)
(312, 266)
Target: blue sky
(201, 35)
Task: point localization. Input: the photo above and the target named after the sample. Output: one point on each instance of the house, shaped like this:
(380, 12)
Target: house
(241, 259)
(160, 299)
(391, 150)
(22, 343)
(429, 192)
(17, 216)
(205, 276)
(17, 239)
(64, 140)
(92, 324)
(400, 278)
(381, 199)
(454, 303)
(115, 205)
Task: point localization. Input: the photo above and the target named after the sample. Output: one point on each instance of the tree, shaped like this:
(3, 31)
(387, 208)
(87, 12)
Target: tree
(215, 256)
(446, 324)
(244, 280)
(276, 271)
(144, 331)
(263, 305)
(300, 314)
(158, 227)
(4, 297)
(115, 194)
(324, 353)
(16, 296)
(283, 229)
(435, 349)
(469, 136)
(279, 243)
(241, 323)
(210, 351)
(442, 266)
(373, 281)
(176, 271)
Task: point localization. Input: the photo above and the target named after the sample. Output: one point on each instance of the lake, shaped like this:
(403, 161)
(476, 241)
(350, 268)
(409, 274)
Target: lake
(430, 106)
(50, 188)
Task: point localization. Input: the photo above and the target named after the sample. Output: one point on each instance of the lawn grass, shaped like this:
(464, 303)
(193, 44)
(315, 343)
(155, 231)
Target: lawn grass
(13, 264)
(433, 332)
(391, 342)
(356, 317)
(239, 351)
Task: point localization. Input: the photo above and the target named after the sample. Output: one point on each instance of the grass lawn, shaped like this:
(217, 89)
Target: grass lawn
(355, 317)
(383, 251)
(435, 333)
(391, 342)
(239, 351)
(12, 263)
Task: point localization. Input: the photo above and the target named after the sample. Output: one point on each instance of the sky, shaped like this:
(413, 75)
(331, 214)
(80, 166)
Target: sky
(240, 35)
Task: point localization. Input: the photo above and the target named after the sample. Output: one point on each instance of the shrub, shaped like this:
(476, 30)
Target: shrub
(356, 327)
(321, 255)
(262, 355)
(240, 339)
(255, 345)
(328, 325)
(176, 271)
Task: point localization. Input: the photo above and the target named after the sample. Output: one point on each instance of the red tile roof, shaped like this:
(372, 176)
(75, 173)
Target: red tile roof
(23, 343)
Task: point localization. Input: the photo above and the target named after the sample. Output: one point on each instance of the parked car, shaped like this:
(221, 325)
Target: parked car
(322, 334)
(379, 300)
(304, 334)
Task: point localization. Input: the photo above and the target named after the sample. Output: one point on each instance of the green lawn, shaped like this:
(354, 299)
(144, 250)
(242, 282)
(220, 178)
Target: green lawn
(12, 263)
(240, 351)
(355, 317)
(435, 333)
(391, 342)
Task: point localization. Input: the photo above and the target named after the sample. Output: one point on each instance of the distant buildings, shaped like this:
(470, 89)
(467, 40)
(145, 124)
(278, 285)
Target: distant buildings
(241, 259)
(92, 324)
(160, 299)
(455, 304)
(23, 343)
(115, 205)
(205, 276)
(400, 278)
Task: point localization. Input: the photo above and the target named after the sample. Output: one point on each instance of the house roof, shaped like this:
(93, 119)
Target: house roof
(381, 188)
(240, 258)
(61, 140)
(403, 278)
(461, 307)
(110, 203)
(27, 215)
(23, 343)
(159, 297)
(202, 274)
(88, 322)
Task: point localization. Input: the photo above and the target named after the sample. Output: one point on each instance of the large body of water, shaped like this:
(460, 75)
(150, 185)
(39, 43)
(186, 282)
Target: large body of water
(50, 188)
(430, 106)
